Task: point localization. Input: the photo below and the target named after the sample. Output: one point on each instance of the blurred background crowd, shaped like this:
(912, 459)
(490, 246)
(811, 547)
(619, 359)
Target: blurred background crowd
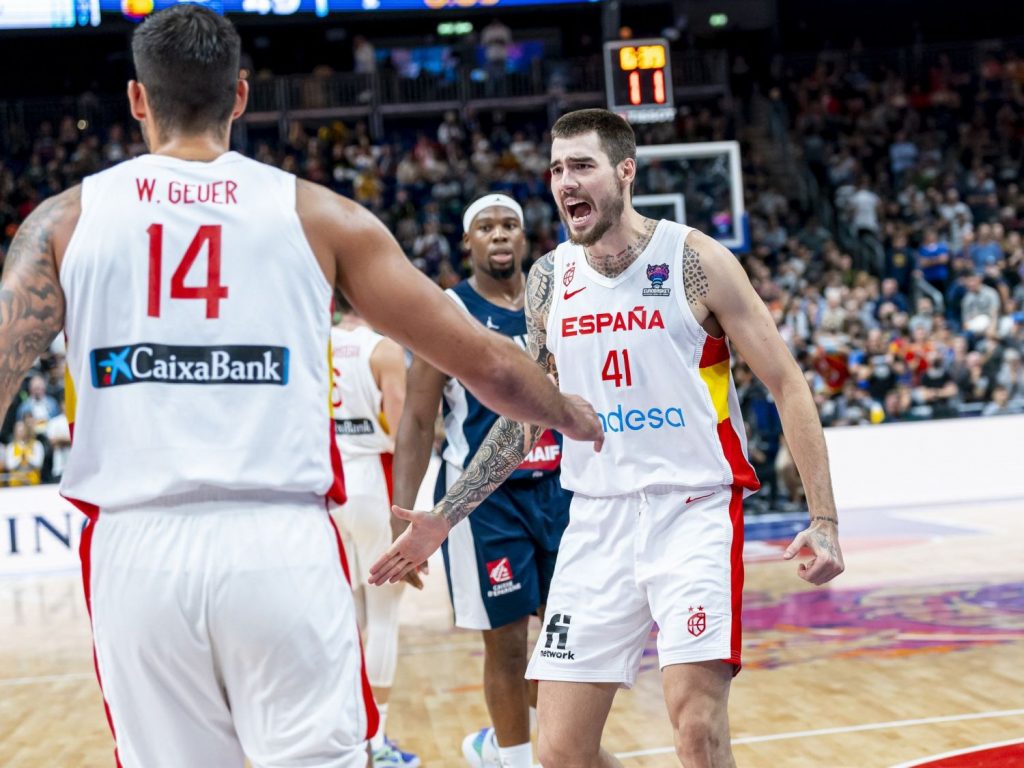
(882, 187)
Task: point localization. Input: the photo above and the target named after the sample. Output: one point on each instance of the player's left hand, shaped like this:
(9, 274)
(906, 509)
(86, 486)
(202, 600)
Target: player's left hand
(419, 541)
(822, 538)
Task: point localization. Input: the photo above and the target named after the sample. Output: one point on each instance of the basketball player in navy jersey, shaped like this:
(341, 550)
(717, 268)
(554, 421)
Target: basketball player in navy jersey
(499, 561)
(194, 285)
(639, 316)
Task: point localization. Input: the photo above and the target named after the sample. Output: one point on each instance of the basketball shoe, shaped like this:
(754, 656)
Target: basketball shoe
(481, 749)
(390, 756)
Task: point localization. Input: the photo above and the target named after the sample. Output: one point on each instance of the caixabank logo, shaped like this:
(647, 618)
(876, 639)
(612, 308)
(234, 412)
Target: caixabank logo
(166, 364)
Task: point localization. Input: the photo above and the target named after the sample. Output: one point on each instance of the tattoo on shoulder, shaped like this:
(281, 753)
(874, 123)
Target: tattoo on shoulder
(539, 285)
(539, 295)
(694, 277)
(31, 299)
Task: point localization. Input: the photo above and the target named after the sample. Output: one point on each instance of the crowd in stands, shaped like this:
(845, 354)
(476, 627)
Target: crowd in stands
(928, 170)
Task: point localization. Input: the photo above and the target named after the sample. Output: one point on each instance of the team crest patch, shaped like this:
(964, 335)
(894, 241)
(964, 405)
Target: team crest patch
(499, 573)
(697, 622)
(658, 275)
(570, 273)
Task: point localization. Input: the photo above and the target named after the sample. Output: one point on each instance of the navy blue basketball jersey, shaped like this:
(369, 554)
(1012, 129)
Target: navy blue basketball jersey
(466, 420)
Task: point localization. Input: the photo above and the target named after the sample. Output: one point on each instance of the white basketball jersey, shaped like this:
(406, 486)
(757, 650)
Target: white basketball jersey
(198, 323)
(661, 385)
(358, 416)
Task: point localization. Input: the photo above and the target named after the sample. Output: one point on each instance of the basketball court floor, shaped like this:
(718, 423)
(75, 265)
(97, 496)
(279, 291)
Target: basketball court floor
(915, 656)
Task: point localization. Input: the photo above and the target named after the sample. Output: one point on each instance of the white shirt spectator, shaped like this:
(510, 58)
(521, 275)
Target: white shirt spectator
(864, 205)
(59, 434)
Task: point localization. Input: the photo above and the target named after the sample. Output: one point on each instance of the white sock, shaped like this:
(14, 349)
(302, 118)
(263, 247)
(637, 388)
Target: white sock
(519, 756)
(377, 740)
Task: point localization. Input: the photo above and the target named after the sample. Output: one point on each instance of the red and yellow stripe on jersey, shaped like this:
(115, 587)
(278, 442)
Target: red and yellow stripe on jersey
(716, 375)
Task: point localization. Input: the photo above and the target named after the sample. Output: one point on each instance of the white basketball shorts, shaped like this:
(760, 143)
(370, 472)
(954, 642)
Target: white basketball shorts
(663, 555)
(365, 518)
(224, 628)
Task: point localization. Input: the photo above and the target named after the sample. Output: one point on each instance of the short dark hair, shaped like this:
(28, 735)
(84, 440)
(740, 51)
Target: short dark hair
(187, 57)
(616, 135)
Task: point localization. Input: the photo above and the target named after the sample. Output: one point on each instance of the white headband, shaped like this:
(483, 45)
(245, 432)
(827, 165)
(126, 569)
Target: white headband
(486, 202)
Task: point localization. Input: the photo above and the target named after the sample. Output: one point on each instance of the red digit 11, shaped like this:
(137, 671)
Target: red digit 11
(614, 371)
(212, 292)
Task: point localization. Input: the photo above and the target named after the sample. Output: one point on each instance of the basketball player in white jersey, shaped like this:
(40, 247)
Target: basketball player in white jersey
(637, 314)
(368, 398)
(194, 288)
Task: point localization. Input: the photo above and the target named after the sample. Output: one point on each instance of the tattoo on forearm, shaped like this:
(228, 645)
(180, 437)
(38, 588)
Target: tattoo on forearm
(825, 518)
(508, 442)
(694, 277)
(615, 264)
(502, 451)
(31, 300)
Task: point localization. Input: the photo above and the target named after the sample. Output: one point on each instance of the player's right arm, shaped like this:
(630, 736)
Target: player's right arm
(359, 256)
(31, 297)
(504, 449)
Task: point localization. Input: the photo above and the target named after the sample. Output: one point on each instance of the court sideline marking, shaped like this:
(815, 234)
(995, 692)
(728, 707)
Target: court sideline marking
(959, 752)
(840, 729)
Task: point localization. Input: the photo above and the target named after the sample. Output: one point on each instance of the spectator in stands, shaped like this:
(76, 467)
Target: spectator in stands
(937, 391)
(1011, 374)
(953, 208)
(496, 39)
(431, 249)
(24, 457)
(933, 260)
(38, 404)
(364, 56)
(903, 155)
(973, 382)
(986, 251)
(865, 208)
(979, 308)
(1001, 404)
(58, 435)
(891, 294)
(450, 130)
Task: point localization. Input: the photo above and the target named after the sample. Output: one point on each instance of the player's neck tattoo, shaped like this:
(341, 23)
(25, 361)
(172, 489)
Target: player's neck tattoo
(615, 264)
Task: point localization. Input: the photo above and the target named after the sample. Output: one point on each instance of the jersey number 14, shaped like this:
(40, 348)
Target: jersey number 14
(209, 236)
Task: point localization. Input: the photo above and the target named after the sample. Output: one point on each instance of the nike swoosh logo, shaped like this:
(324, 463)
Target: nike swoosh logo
(691, 499)
(569, 294)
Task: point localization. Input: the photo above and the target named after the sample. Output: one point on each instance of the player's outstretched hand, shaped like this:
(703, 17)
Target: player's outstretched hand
(822, 538)
(413, 577)
(585, 426)
(420, 540)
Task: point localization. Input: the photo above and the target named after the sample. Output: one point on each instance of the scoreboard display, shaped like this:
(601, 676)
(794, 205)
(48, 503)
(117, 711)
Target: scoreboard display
(142, 8)
(63, 14)
(52, 14)
(638, 79)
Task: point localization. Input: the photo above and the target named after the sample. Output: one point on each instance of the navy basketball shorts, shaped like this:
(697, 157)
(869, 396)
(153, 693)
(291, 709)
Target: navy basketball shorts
(501, 558)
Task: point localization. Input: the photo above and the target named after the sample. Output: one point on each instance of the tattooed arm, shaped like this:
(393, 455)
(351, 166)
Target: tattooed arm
(722, 298)
(504, 449)
(31, 299)
(508, 442)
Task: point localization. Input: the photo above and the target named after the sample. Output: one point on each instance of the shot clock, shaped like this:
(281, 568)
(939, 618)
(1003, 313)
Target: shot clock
(638, 79)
